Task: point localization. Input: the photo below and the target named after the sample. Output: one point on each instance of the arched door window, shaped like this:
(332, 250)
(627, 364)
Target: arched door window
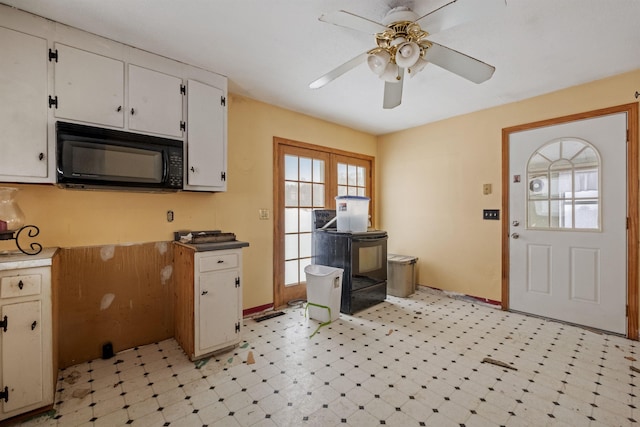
(563, 178)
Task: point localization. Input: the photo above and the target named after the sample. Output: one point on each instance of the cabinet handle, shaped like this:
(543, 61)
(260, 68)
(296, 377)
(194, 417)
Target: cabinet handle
(133, 111)
(20, 285)
(220, 261)
(193, 169)
(119, 108)
(205, 292)
(33, 325)
(41, 156)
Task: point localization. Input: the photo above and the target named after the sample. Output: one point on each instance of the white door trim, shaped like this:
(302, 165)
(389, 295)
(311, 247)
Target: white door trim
(632, 200)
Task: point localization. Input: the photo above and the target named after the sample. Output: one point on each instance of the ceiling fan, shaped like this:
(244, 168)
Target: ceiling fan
(402, 43)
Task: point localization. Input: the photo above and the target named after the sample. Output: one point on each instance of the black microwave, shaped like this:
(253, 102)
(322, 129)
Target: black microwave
(89, 157)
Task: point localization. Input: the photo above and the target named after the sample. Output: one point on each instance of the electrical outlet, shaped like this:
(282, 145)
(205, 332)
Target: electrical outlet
(263, 213)
(491, 214)
(170, 216)
(486, 189)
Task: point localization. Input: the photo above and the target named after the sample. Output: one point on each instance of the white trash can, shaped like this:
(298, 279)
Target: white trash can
(401, 275)
(324, 289)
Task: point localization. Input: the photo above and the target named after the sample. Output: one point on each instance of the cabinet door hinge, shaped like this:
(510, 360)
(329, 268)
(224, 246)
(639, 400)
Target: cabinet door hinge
(183, 89)
(223, 176)
(223, 101)
(53, 102)
(237, 282)
(4, 394)
(53, 54)
(4, 323)
(183, 126)
(237, 327)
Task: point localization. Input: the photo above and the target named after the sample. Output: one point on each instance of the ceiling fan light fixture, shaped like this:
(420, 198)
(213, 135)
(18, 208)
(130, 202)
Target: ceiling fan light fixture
(390, 73)
(378, 62)
(417, 67)
(407, 54)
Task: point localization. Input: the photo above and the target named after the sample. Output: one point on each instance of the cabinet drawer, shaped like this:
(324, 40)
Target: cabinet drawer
(19, 286)
(218, 262)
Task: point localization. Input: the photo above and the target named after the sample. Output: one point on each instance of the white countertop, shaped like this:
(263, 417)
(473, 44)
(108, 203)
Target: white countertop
(16, 259)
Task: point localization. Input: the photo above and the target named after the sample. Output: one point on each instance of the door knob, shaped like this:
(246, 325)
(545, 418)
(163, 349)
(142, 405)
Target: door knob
(515, 235)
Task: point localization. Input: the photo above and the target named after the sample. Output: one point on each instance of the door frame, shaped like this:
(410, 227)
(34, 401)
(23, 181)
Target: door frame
(330, 172)
(632, 202)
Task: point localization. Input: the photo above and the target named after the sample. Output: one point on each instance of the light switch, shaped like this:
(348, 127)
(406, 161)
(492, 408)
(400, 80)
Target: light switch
(486, 189)
(264, 213)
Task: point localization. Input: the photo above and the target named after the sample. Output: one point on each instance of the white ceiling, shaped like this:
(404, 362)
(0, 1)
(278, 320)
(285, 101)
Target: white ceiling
(271, 50)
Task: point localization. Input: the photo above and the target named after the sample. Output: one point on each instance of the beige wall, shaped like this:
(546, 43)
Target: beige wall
(430, 184)
(73, 218)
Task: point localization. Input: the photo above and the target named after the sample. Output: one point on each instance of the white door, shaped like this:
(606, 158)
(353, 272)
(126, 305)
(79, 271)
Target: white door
(567, 221)
(219, 299)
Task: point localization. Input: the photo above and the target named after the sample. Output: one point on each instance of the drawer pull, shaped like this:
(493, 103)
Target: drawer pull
(220, 261)
(4, 323)
(33, 325)
(20, 285)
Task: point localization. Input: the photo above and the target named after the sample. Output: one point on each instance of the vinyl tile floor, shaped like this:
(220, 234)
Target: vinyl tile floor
(417, 361)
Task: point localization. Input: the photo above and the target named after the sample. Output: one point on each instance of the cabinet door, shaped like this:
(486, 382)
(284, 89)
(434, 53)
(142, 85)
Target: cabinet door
(206, 138)
(22, 355)
(23, 110)
(219, 306)
(155, 102)
(89, 87)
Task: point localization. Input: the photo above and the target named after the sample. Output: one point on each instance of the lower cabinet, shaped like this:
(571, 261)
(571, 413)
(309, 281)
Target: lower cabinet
(26, 341)
(208, 306)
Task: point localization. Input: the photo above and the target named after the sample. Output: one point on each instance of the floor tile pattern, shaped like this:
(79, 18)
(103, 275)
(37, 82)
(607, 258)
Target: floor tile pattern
(417, 361)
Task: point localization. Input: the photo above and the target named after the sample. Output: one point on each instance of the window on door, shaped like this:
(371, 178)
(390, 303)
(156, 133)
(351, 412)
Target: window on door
(564, 186)
(308, 177)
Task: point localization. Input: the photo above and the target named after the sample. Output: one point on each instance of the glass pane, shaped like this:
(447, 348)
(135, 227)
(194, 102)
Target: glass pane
(342, 190)
(361, 177)
(291, 167)
(303, 263)
(351, 175)
(305, 245)
(561, 214)
(318, 170)
(561, 179)
(538, 164)
(538, 214)
(352, 191)
(291, 220)
(586, 181)
(342, 174)
(586, 157)
(305, 194)
(551, 151)
(538, 187)
(305, 220)
(318, 195)
(290, 193)
(290, 246)
(571, 147)
(361, 192)
(587, 214)
(291, 272)
(305, 169)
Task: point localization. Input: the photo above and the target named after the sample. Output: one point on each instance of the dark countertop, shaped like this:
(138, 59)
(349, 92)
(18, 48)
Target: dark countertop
(215, 246)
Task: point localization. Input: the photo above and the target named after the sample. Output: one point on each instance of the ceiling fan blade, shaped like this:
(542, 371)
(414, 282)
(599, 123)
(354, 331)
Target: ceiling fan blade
(457, 12)
(349, 20)
(338, 71)
(393, 92)
(459, 63)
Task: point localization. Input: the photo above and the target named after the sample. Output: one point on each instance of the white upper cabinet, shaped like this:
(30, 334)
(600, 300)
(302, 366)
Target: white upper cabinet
(206, 138)
(155, 102)
(88, 87)
(23, 107)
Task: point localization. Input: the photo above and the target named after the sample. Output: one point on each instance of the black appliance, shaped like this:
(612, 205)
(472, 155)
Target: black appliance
(96, 158)
(363, 256)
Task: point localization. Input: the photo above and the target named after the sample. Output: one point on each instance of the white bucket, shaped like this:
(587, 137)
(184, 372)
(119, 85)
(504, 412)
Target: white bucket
(324, 287)
(352, 213)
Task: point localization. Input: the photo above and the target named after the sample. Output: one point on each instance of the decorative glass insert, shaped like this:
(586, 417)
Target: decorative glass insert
(563, 186)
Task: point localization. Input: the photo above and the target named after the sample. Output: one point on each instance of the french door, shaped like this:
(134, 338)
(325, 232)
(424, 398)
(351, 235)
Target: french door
(307, 177)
